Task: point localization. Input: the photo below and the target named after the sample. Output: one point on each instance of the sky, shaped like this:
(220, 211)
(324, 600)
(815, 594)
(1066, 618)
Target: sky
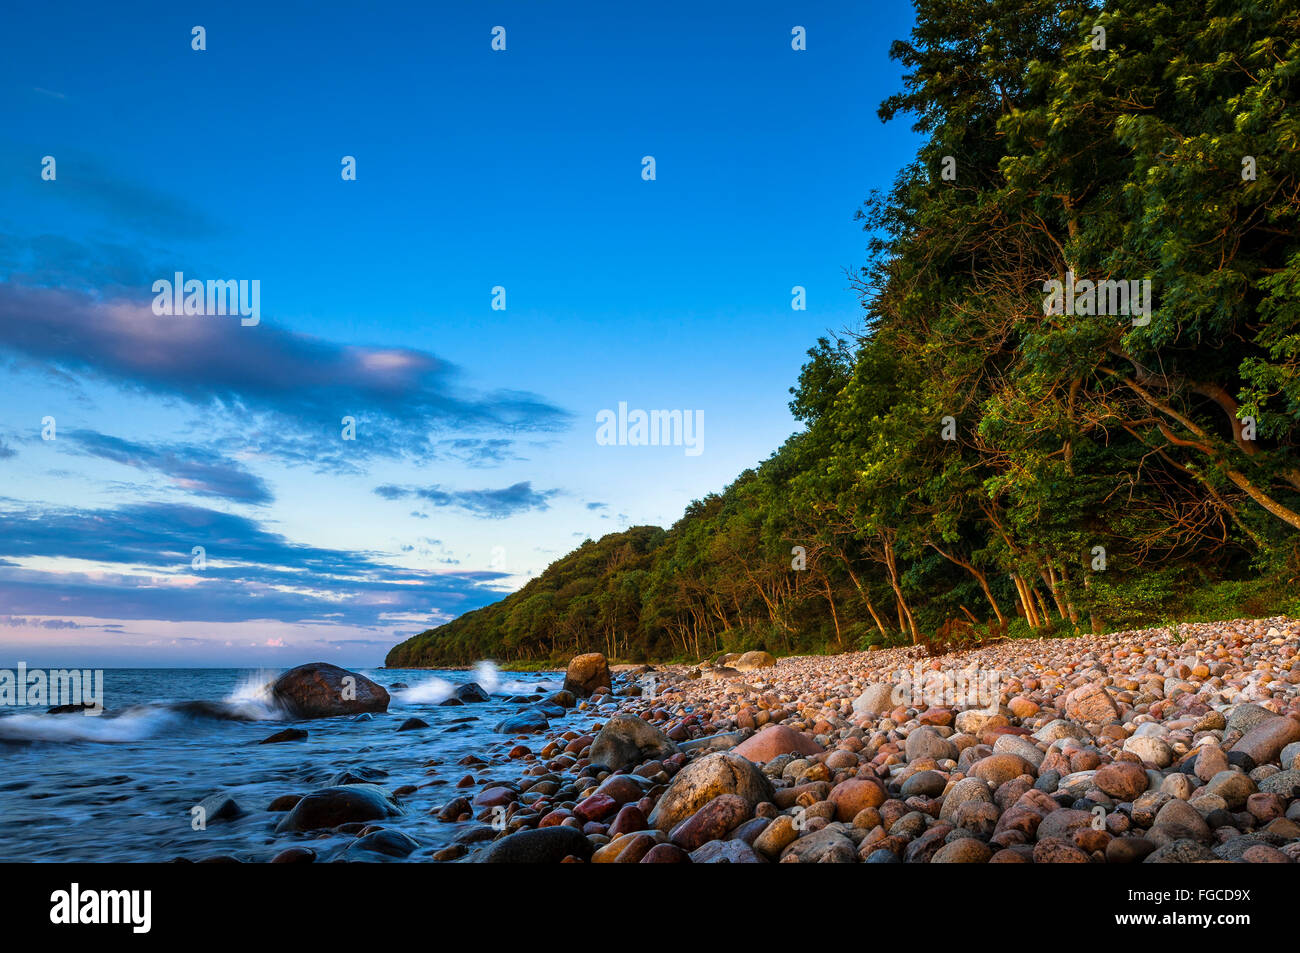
(406, 426)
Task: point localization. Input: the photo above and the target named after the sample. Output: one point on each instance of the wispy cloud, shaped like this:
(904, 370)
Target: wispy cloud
(250, 573)
(305, 385)
(192, 468)
(496, 504)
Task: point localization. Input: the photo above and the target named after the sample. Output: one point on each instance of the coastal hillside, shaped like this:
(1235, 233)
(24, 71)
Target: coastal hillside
(1073, 403)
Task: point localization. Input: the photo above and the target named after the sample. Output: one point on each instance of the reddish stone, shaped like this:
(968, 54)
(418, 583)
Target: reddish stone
(595, 808)
(711, 822)
(495, 797)
(629, 819)
(855, 795)
(776, 740)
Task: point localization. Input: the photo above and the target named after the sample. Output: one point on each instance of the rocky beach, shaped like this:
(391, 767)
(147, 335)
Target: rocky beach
(1154, 746)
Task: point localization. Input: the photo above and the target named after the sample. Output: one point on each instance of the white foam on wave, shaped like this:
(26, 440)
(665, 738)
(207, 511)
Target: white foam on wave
(252, 700)
(431, 691)
(134, 724)
(489, 676)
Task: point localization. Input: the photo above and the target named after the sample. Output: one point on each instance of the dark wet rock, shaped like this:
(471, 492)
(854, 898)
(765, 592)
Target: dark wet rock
(294, 855)
(413, 724)
(220, 807)
(334, 806)
(523, 722)
(76, 708)
(285, 802)
(545, 845)
(289, 734)
(471, 693)
(322, 690)
(358, 775)
(387, 842)
(475, 835)
(453, 810)
(449, 702)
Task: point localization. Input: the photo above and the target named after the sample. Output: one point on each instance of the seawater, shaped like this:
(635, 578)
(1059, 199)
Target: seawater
(120, 786)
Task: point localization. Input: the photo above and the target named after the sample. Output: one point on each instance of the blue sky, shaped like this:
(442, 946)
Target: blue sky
(475, 461)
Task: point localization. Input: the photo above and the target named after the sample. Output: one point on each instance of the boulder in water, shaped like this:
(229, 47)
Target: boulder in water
(384, 842)
(471, 692)
(525, 721)
(358, 775)
(322, 690)
(289, 734)
(220, 807)
(330, 807)
(75, 708)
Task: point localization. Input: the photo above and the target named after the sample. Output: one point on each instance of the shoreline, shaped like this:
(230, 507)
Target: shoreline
(1141, 745)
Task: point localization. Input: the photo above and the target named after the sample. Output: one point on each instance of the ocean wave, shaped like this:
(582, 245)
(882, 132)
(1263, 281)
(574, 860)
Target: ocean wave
(251, 700)
(132, 724)
(431, 691)
(489, 676)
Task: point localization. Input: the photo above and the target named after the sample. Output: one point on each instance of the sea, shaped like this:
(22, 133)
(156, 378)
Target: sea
(122, 785)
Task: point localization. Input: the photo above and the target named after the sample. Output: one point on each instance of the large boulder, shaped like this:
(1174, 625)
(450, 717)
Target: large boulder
(628, 740)
(751, 661)
(330, 807)
(701, 781)
(587, 673)
(322, 690)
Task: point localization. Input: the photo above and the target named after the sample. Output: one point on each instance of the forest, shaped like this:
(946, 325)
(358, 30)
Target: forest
(985, 456)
